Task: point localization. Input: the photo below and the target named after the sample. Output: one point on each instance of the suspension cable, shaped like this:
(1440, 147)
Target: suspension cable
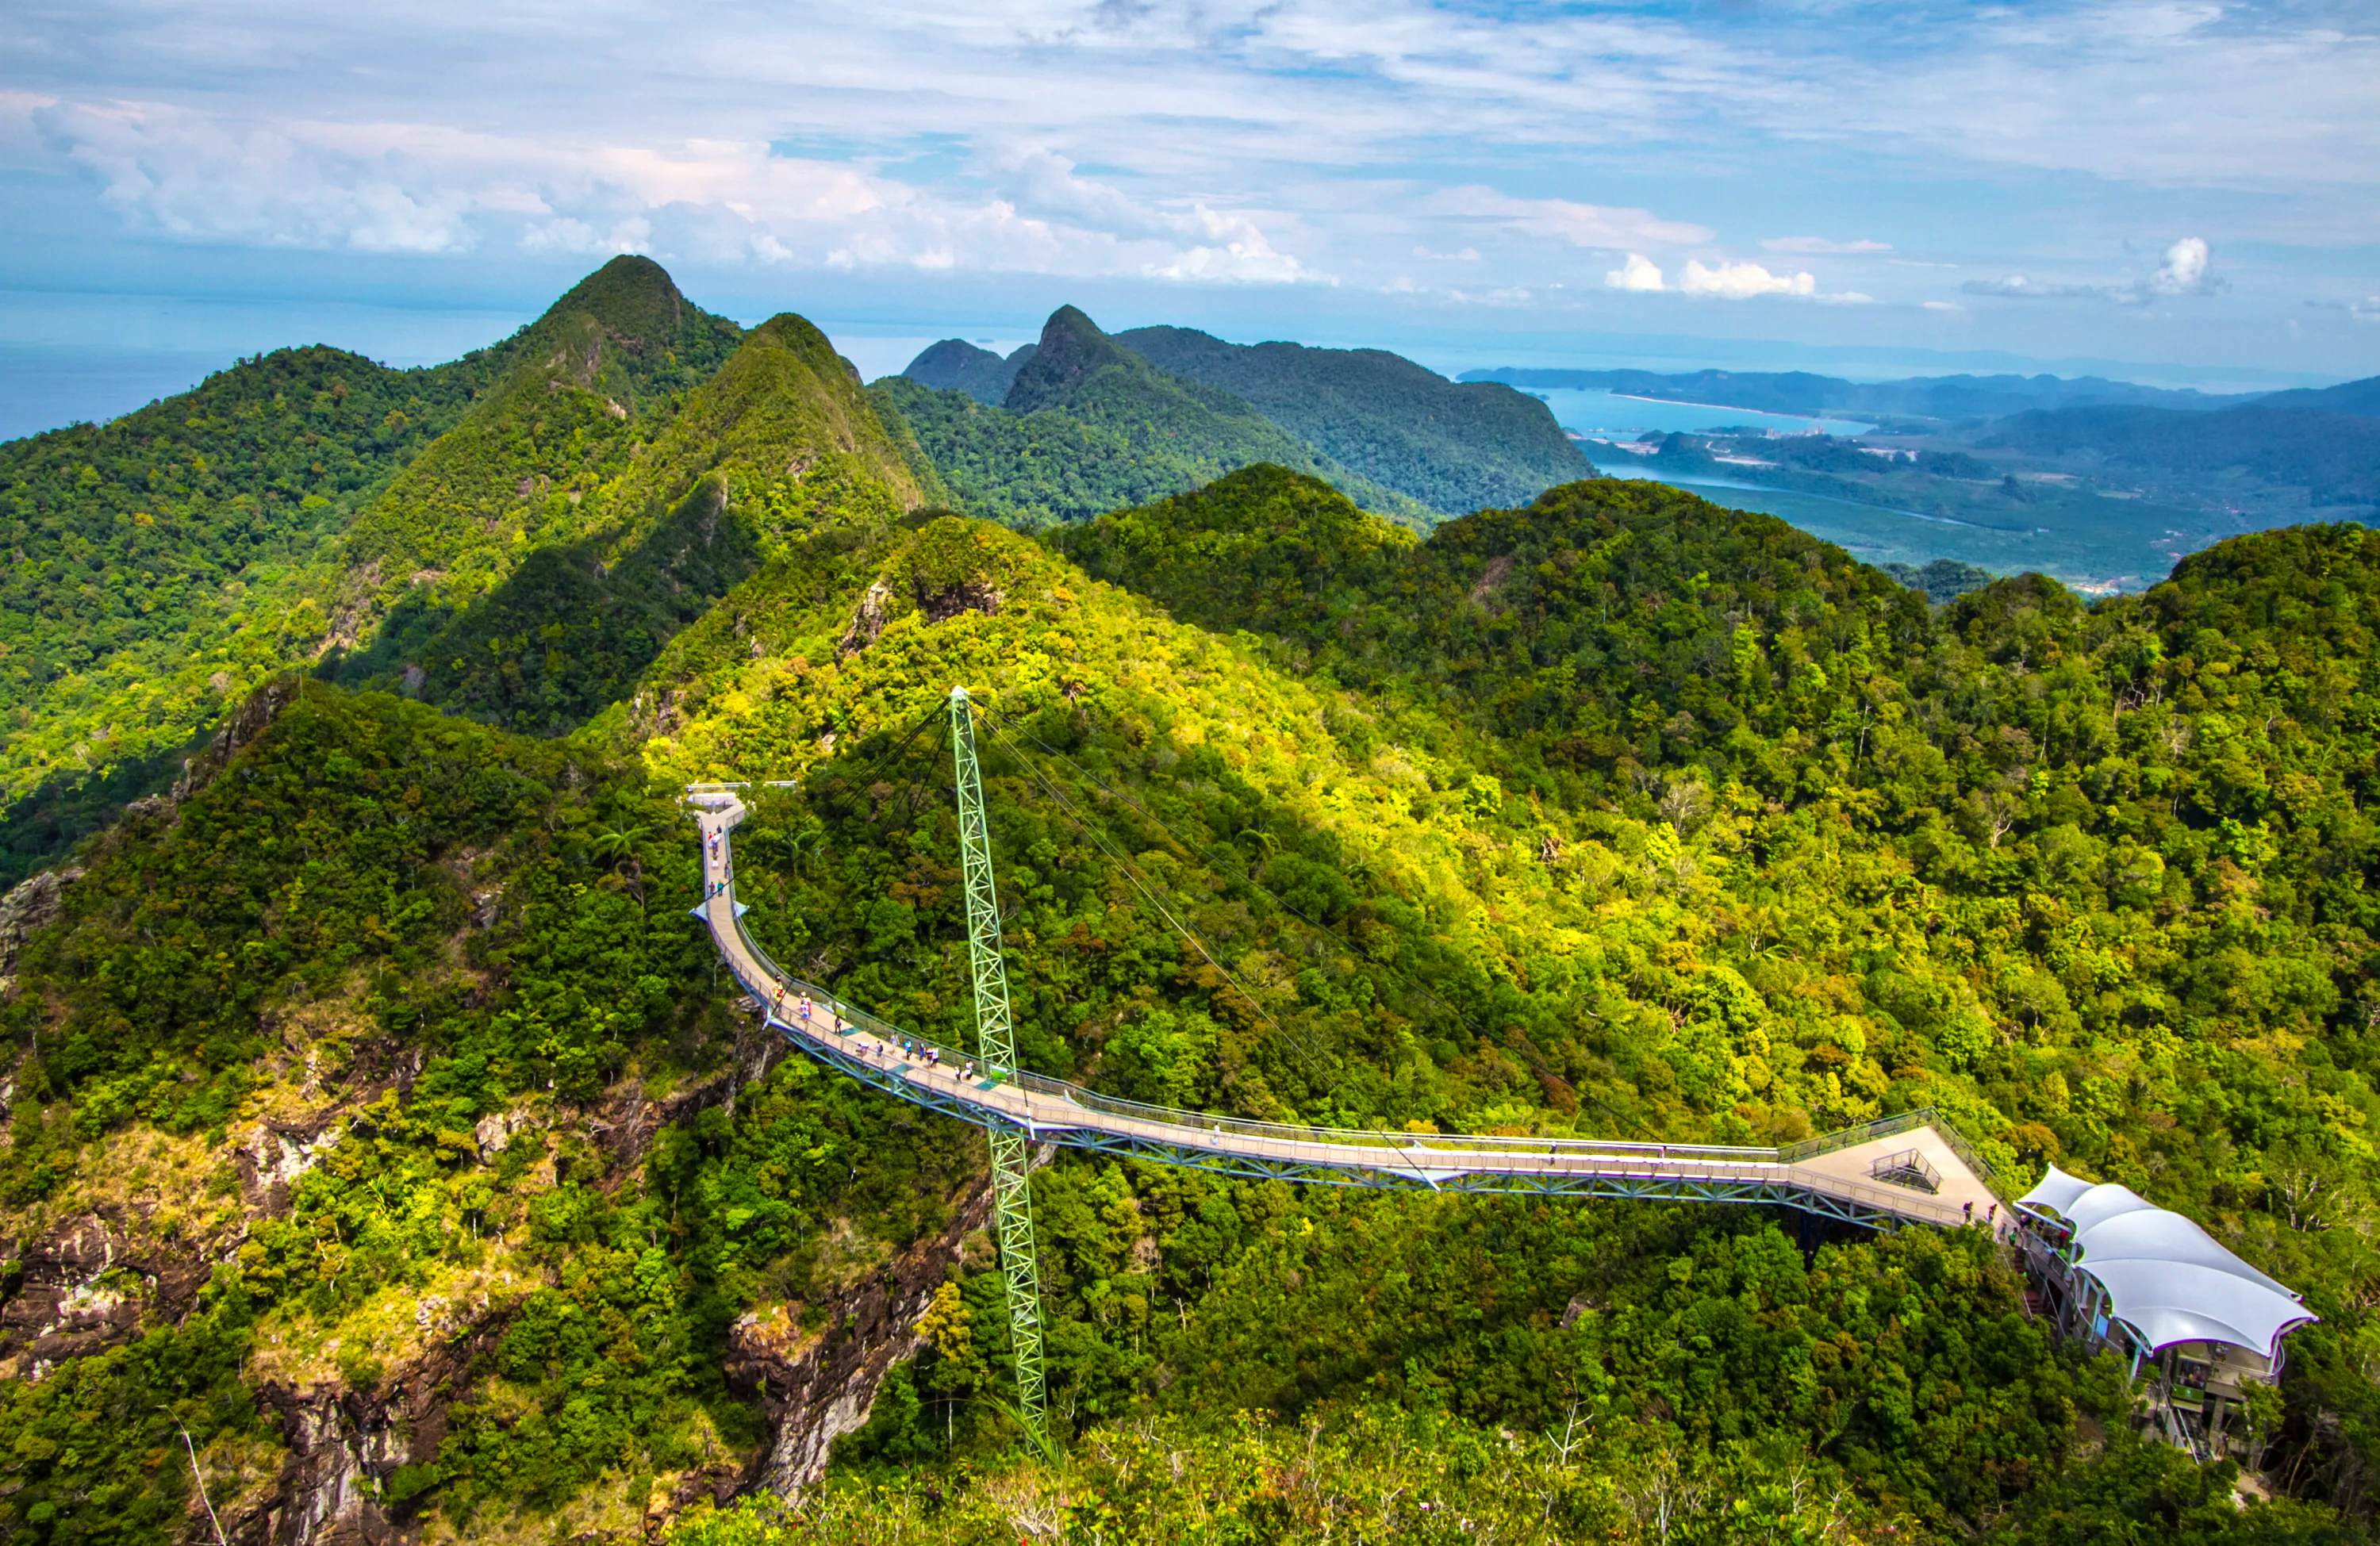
(884, 756)
(1247, 877)
(1098, 840)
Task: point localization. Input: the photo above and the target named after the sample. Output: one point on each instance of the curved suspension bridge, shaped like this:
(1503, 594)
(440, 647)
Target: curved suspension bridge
(1908, 1169)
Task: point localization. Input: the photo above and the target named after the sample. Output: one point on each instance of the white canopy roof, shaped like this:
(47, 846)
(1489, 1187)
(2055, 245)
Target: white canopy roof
(2165, 1277)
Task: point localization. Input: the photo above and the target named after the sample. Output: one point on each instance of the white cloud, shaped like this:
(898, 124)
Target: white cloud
(1101, 137)
(2365, 310)
(1507, 297)
(191, 176)
(1845, 297)
(1605, 226)
(1225, 244)
(577, 237)
(1743, 281)
(1952, 307)
(2018, 286)
(2184, 271)
(1249, 260)
(1639, 272)
(431, 190)
(1501, 296)
(1819, 246)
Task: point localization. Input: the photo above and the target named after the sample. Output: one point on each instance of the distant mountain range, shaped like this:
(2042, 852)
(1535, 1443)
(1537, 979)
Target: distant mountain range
(387, 1159)
(1087, 425)
(2263, 455)
(1365, 419)
(1799, 392)
(2333, 455)
(2359, 398)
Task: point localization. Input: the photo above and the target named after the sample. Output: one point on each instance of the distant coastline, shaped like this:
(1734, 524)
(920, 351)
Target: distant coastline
(1728, 407)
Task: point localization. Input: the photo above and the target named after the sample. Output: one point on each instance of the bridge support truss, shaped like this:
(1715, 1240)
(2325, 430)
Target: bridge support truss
(996, 1046)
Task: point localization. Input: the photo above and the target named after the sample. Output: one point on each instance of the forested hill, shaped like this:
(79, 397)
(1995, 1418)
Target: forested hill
(1457, 447)
(186, 552)
(955, 365)
(2334, 456)
(2360, 398)
(780, 435)
(384, 1157)
(1088, 426)
(1380, 417)
(588, 384)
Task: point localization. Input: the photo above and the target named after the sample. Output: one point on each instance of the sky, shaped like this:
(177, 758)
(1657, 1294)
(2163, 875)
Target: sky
(2187, 192)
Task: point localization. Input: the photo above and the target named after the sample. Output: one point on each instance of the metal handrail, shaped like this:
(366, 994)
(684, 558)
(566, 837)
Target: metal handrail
(1208, 1122)
(1714, 1161)
(1748, 1163)
(1906, 1168)
(1901, 1122)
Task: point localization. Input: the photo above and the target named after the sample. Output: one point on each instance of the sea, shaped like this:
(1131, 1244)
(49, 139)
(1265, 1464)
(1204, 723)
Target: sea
(1877, 534)
(1614, 416)
(68, 358)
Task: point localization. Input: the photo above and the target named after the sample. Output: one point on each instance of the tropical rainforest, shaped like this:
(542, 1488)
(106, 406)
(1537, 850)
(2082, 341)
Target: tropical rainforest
(387, 1158)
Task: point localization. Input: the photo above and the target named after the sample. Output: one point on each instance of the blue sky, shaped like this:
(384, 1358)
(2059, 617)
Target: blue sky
(2188, 189)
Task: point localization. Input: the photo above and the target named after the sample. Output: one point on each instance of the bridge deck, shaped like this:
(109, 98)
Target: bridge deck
(1830, 1177)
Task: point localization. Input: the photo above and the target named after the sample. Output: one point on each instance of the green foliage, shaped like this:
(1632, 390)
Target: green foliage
(1295, 553)
(1363, 1473)
(336, 854)
(2334, 456)
(1455, 448)
(189, 551)
(144, 546)
(1089, 426)
(1621, 814)
(1942, 580)
(101, 1449)
(778, 441)
(126, 533)
(955, 365)
(385, 878)
(589, 383)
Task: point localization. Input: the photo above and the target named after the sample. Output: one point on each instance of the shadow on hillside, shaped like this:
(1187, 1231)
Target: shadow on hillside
(566, 635)
(42, 828)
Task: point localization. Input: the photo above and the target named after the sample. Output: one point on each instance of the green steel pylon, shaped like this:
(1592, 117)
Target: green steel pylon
(995, 1046)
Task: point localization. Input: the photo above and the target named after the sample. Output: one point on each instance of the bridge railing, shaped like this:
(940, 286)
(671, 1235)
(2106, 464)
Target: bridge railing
(1092, 1101)
(1740, 1164)
(1888, 1127)
(1289, 1142)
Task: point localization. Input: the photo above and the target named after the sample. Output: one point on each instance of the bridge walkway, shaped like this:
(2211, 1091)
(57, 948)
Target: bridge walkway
(1834, 1175)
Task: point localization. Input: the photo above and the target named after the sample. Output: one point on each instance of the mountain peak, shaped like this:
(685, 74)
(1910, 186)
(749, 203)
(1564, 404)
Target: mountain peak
(1069, 321)
(632, 295)
(1071, 350)
(624, 329)
(955, 365)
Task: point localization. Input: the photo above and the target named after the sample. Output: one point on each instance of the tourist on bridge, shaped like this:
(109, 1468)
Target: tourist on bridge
(804, 1009)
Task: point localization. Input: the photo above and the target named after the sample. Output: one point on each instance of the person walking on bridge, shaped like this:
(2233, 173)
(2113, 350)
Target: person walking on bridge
(805, 1010)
